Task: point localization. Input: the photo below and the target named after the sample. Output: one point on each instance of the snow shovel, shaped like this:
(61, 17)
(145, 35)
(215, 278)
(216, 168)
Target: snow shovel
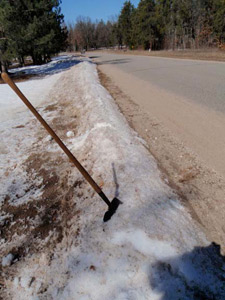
(113, 205)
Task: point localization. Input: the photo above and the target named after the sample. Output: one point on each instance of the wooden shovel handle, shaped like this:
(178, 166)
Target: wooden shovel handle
(10, 82)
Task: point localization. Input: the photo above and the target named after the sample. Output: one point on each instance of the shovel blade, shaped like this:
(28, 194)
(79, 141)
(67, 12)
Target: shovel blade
(112, 209)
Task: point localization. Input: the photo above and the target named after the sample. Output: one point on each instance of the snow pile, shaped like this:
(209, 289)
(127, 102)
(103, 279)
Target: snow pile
(150, 249)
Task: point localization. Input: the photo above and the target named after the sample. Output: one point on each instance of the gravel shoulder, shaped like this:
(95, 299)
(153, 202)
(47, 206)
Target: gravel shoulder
(201, 189)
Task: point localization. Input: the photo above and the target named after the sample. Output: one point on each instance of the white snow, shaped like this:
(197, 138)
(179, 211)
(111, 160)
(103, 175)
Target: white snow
(69, 134)
(57, 65)
(150, 249)
(7, 260)
(145, 245)
(36, 91)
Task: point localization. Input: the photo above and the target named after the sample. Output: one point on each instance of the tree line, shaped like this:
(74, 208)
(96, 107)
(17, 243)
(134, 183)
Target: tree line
(37, 29)
(86, 34)
(30, 28)
(155, 25)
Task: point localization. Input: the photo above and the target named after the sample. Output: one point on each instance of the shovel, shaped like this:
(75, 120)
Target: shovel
(113, 205)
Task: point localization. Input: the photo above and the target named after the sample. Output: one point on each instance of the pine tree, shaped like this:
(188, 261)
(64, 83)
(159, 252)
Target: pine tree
(146, 25)
(125, 24)
(32, 28)
(6, 45)
(45, 35)
(219, 20)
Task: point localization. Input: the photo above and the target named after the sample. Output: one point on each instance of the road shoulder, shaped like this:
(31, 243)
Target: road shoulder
(201, 190)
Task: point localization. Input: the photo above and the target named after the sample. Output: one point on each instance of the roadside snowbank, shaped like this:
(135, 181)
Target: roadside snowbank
(150, 249)
(36, 90)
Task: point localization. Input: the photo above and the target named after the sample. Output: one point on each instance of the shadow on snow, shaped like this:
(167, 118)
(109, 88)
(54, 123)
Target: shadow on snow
(198, 275)
(57, 65)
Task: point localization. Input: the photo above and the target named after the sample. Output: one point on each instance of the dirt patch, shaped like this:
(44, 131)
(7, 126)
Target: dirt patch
(39, 224)
(51, 107)
(201, 190)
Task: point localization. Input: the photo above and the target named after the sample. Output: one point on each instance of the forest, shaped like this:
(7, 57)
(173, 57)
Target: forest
(37, 29)
(30, 28)
(155, 25)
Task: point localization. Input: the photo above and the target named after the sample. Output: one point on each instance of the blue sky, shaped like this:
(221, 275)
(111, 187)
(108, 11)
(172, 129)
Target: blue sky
(95, 9)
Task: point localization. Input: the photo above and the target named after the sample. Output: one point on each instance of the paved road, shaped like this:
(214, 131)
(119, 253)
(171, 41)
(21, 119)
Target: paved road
(186, 96)
(200, 81)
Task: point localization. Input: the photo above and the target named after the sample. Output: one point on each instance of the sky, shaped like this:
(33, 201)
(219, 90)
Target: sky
(95, 9)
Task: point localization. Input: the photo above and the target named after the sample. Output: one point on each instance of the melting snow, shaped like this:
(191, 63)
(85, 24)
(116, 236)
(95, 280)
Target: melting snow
(151, 249)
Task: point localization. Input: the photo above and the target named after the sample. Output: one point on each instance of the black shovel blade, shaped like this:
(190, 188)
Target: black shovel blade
(112, 209)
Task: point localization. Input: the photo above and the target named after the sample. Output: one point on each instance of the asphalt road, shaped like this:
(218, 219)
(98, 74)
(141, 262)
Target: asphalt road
(187, 96)
(200, 81)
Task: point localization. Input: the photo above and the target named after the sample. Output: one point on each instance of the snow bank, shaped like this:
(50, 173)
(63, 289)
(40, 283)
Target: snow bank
(36, 90)
(150, 249)
(15, 133)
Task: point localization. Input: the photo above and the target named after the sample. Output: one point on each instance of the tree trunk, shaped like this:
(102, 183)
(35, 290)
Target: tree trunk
(3, 65)
(21, 61)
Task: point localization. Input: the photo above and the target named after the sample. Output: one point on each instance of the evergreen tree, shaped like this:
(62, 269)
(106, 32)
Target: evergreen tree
(111, 27)
(32, 28)
(125, 24)
(157, 24)
(6, 46)
(219, 20)
(146, 26)
(44, 32)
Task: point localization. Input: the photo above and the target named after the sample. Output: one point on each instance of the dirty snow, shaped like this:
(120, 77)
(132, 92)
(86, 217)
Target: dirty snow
(7, 260)
(150, 249)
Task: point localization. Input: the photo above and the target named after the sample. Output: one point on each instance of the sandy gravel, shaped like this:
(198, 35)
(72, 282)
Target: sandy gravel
(201, 188)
